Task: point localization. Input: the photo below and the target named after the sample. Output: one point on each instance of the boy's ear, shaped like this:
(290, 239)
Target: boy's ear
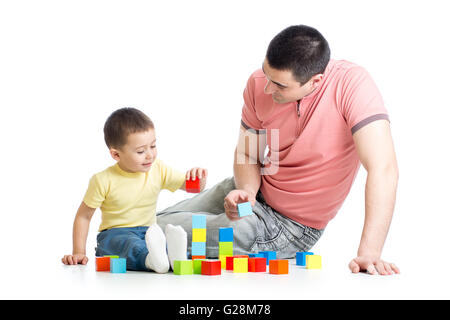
(114, 154)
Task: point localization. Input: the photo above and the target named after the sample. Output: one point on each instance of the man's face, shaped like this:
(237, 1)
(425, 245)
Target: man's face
(138, 154)
(283, 87)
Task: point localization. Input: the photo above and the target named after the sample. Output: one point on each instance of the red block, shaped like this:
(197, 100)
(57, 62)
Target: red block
(102, 263)
(211, 267)
(193, 186)
(257, 264)
(278, 266)
(229, 261)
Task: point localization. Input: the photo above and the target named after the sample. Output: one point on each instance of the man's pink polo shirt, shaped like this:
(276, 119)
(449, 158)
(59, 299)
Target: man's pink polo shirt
(316, 157)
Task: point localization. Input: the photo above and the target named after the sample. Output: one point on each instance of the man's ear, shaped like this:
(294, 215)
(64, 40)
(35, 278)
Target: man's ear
(315, 80)
(114, 154)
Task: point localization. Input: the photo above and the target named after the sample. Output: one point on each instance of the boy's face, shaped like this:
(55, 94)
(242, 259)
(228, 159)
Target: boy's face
(138, 154)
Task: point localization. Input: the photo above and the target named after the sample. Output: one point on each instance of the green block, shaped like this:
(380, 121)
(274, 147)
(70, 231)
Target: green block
(198, 266)
(181, 267)
(226, 248)
(113, 257)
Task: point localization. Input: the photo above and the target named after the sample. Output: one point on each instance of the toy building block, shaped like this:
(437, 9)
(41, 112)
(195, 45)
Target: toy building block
(118, 265)
(198, 266)
(211, 267)
(198, 235)
(112, 257)
(278, 266)
(257, 264)
(244, 209)
(198, 257)
(193, 186)
(102, 263)
(300, 258)
(226, 248)
(256, 255)
(269, 255)
(313, 262)
(198, 221)
(223, 260)
(240, 265)
(225, 234)
(198, 249)
(182, 267)
(230, 261)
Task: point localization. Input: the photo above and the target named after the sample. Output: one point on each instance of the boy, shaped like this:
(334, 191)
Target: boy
(126, 194)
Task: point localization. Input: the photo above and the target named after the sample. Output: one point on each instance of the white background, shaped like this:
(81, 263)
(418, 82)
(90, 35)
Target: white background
(66, 65)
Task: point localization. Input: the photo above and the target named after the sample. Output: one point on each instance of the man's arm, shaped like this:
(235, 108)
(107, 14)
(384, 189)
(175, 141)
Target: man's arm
(247, 174)
(247, 163)
(376, 152)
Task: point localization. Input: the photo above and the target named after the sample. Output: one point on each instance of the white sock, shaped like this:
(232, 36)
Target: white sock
(157, 259)
(176, 243)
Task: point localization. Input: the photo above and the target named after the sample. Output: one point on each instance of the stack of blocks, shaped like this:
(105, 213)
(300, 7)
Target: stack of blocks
(114, 264)
(309, 259)
(225, 245)
(198, 249)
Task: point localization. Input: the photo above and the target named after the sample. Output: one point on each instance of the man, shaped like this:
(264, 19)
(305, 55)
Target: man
(319, 119)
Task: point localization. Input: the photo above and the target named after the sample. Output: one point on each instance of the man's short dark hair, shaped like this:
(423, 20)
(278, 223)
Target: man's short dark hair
(123, 122)
(301, 50)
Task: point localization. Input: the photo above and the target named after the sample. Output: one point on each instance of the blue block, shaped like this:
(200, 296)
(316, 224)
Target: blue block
(225, 234)
(244, 209)
(269, 255)
(300, 258)
(198, 249)
(118, 265)
(256, 255)
(198, 221)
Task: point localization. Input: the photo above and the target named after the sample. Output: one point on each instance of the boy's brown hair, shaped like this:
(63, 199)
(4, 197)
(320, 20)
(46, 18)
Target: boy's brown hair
(123, 122)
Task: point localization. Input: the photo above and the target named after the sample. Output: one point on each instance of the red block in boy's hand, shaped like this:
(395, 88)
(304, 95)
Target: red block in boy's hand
(193, 186)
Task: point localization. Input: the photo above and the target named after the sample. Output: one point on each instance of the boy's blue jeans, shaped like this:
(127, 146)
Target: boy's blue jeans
(126, 243)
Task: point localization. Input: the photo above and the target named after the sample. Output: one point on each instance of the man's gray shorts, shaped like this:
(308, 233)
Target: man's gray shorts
(265, 230)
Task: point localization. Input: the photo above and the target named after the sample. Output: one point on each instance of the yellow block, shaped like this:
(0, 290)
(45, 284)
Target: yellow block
(240, 265)
(313, 261)
(223, 260)
(198, 235)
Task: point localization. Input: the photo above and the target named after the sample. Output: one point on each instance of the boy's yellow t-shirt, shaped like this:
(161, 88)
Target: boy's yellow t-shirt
(129, 199)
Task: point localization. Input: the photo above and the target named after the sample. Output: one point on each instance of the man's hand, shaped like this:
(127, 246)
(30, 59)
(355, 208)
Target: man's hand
(233, 198)
(77, 258)
(372, 265)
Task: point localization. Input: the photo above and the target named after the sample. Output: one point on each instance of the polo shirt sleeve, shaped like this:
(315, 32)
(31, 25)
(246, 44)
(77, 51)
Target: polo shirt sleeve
(249, 119)
(171, 179)
(95, 194)
(362, 102)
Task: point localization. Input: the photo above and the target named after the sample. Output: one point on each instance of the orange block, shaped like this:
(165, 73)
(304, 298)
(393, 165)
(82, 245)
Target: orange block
(102, 263)
(279, 266)
(198, 257)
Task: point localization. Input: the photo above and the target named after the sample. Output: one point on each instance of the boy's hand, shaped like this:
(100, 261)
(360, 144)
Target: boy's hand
(77, 258)
(200, 173)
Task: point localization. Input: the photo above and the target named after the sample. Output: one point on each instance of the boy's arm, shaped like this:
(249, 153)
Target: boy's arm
(80, 233)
